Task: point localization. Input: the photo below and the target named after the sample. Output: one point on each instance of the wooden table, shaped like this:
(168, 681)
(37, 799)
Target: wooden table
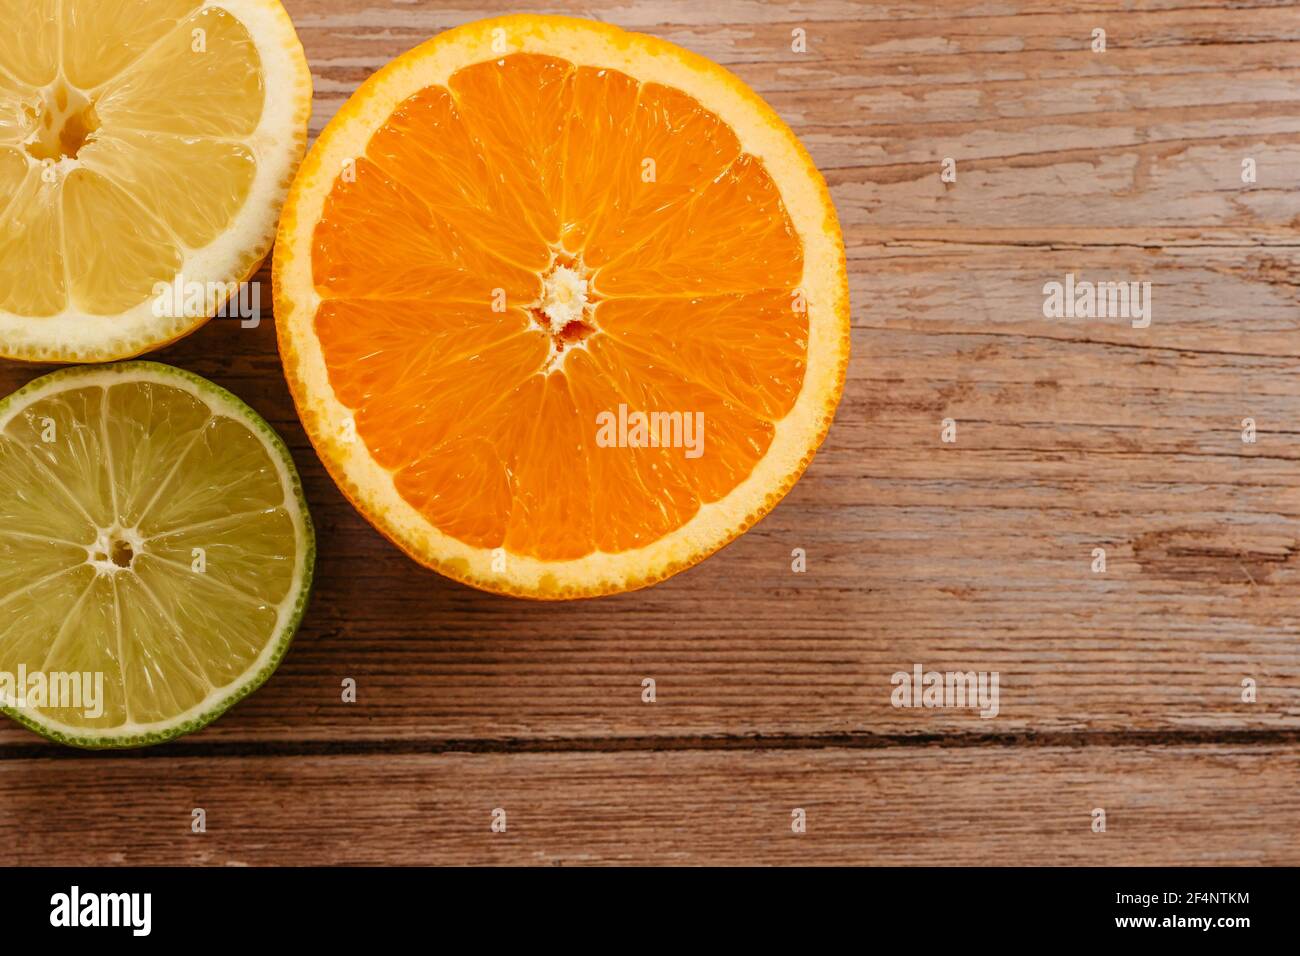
(1120, 690)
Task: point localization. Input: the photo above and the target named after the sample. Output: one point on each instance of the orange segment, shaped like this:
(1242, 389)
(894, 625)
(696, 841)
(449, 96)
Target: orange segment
(734, 439)
(554, 329)
(379, 240)
(734, 236)
(418, 373)
(551, 508)
(673, 149)
(597, 157)
(434, 487)
(467, 482)
(749, 346)
(516, 109)
(427, 147)
(640, 494)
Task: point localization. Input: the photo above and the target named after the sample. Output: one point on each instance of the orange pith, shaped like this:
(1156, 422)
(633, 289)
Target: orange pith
(434, 256)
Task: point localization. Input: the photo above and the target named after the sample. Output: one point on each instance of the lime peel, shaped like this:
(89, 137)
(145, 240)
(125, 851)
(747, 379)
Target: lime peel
(254, 586)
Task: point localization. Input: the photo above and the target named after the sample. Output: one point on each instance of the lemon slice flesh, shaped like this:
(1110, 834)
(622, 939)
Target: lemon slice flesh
(142, 142)
(155, 554)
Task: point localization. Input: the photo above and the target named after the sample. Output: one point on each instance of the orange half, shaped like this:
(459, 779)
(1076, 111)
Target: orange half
(564, 309)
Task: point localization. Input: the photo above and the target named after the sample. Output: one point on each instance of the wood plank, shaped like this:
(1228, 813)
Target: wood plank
(1214, 804)
(1072, 435)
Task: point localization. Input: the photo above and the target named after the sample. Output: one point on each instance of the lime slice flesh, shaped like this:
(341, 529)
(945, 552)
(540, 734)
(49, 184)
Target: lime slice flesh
(156, 553)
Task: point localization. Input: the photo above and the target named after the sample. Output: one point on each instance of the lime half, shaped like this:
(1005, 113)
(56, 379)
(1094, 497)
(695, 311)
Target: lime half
(156, 553)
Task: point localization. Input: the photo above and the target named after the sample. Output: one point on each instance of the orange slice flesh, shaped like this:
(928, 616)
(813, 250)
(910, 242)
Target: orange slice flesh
(426, 214)
(533, 249)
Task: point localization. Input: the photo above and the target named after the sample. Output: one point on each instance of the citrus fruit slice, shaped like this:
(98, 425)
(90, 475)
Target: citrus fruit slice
(564, 309)
(145, 150)
(155, 553)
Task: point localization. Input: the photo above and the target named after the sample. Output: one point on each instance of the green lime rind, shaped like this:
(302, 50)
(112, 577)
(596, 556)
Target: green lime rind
(228, 401)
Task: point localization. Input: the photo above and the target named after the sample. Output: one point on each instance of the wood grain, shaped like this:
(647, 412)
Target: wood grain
(1072, 435)
(1218, 805)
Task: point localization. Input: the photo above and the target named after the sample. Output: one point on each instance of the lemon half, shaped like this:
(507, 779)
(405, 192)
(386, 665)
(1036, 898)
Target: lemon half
(145, 146)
